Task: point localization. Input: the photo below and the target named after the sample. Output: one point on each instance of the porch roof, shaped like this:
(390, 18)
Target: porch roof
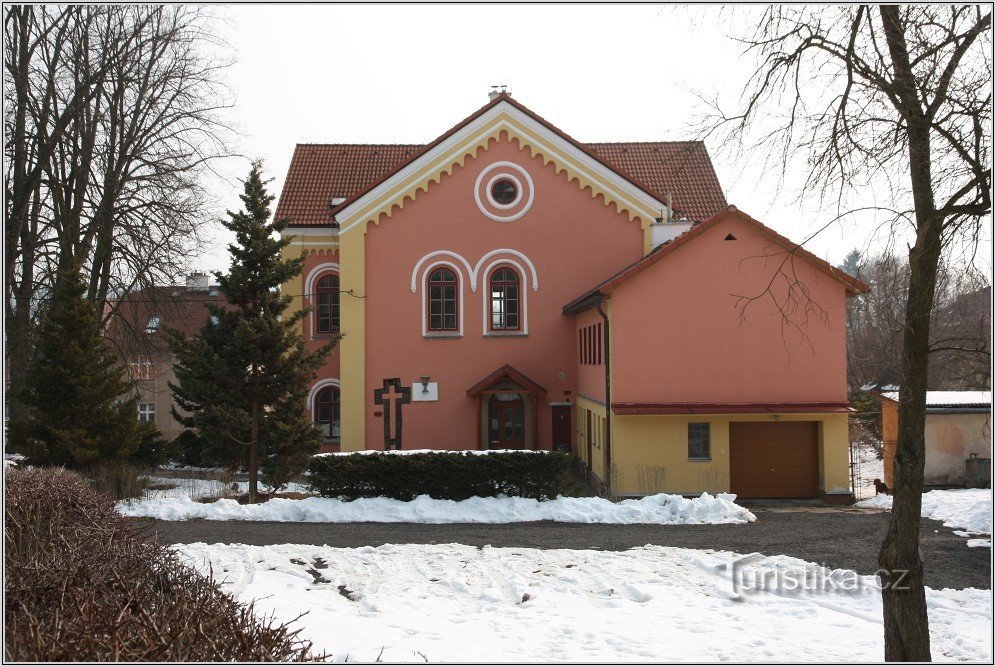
(509, 374)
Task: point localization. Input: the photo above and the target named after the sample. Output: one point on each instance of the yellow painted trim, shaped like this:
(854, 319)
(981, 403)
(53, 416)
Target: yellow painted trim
(352, 309)
(433, 172)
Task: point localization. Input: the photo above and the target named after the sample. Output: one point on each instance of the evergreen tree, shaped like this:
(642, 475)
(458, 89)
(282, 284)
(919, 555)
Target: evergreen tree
(243, 380)
(81, 409)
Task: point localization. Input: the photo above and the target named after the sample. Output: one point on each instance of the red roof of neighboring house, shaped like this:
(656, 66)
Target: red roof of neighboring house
(586, 300)
(176, 307)
(320, 172)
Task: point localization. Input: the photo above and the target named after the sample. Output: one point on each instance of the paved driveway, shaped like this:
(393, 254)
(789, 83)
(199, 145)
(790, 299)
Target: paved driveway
(837, 538)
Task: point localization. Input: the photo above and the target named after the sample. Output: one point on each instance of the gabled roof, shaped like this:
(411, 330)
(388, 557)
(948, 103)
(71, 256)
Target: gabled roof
(320, 172)
(506, 373)
(591, 297)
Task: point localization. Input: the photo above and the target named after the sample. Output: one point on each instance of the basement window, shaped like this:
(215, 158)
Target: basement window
(698, 442)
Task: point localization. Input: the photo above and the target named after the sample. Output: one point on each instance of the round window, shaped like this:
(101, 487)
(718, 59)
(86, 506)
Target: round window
(504, 191)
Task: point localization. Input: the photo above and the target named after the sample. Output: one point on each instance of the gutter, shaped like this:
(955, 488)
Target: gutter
(608, 398)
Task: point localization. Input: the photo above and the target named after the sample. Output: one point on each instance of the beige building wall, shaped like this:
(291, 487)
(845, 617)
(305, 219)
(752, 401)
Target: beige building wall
(950, 439)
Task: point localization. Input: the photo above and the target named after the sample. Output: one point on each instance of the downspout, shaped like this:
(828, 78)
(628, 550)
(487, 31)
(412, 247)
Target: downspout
(608, 398)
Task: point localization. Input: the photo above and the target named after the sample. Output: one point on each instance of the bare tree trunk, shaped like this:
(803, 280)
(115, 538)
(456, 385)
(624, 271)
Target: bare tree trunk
(253, 450)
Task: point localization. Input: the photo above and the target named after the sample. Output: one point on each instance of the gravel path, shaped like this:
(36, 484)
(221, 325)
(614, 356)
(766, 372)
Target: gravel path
(837, 538)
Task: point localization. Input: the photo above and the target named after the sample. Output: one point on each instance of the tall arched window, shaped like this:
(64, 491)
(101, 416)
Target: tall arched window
(442, 302)
(327, 300)
(327, 412)
(504, 288)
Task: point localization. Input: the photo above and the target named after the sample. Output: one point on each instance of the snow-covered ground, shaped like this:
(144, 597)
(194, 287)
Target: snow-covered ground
(191, 488)
(867, 468)
(968, 510)
(468, 604)
(661, 509)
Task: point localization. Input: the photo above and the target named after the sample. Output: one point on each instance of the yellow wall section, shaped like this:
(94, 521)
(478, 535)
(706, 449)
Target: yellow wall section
(352, 313)
(650, 453)
(586, 406)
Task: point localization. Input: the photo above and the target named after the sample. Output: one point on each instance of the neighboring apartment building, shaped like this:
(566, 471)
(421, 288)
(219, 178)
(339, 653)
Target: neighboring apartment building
(138, 333)
(507, 287)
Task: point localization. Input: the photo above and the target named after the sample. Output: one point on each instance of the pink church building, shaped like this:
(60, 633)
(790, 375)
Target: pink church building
(509, 287)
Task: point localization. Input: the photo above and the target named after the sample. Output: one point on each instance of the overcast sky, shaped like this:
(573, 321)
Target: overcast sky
(406, 74)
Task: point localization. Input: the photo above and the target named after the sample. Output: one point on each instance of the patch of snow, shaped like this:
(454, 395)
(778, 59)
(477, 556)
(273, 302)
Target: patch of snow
(965, 509)
(456, 603)
(406, 452)
(979, 542)
(951, 397)
(660, 509)
(867, 468)
(196, 489)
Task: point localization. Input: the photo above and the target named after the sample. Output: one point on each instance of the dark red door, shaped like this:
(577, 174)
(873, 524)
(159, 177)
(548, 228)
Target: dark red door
(562, 428)
(507, 417)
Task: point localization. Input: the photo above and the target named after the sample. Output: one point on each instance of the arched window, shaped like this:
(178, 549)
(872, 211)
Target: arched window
(442, 302)
(504, 288)
(327, 412)
(327, 300)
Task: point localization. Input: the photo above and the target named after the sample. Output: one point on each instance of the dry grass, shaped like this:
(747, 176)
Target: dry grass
(82, 586)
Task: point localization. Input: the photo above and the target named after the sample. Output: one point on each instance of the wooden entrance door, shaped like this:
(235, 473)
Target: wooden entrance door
(507, 422)
(561, 428)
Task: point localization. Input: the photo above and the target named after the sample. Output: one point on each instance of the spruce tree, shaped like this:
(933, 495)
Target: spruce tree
(243, 380)
(81, 409)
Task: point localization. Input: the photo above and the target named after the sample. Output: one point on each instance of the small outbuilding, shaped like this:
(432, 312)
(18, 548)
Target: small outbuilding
(958, 428)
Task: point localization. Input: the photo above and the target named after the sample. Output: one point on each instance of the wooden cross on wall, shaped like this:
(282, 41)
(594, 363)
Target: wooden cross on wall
(392, 394)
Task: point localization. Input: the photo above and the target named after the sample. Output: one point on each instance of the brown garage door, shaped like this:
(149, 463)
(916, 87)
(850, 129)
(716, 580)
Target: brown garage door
(774, 459)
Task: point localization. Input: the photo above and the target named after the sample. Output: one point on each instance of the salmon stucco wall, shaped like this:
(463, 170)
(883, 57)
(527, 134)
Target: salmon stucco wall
(588, 343)
(571, 240)
(678, 335)
(650, 453)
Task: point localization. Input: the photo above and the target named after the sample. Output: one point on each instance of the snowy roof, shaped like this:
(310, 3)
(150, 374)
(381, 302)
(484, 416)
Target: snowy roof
(950, 398)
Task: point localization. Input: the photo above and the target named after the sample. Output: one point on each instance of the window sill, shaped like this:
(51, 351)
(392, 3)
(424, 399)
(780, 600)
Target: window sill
(443, 335)
(505, 334)
(698, 460)
(324, 334)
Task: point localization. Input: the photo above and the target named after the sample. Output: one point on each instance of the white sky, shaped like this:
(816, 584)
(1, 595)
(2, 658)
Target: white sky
(406, 74)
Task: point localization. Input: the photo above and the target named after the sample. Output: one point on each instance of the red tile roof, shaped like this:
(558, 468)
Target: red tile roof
(590, 298)
(176, 307)
(320, 172)
(682, 168)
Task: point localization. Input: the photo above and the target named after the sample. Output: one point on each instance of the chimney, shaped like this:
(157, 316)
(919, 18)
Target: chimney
(497, 90)
(198, 281)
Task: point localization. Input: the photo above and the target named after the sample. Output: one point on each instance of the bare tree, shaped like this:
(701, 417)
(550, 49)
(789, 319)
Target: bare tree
(959, 329)
(866, 94)
(112, 117)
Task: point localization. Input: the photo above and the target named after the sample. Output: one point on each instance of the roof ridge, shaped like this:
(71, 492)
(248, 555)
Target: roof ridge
(646, 142)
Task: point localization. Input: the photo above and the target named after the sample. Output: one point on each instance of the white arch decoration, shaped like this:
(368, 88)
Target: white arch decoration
(317, 387)
(523, 307)
(309, 288)
(425, 296)
(490, 169)
(515, 253)
(442, 253)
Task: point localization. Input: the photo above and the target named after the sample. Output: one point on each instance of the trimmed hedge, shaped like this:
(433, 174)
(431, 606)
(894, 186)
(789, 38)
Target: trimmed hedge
(445, 475)
(82, 586)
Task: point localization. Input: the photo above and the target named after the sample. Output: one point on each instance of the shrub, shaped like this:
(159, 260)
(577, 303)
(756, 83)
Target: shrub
(81, 586)
(117, 480)
(445, 475)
